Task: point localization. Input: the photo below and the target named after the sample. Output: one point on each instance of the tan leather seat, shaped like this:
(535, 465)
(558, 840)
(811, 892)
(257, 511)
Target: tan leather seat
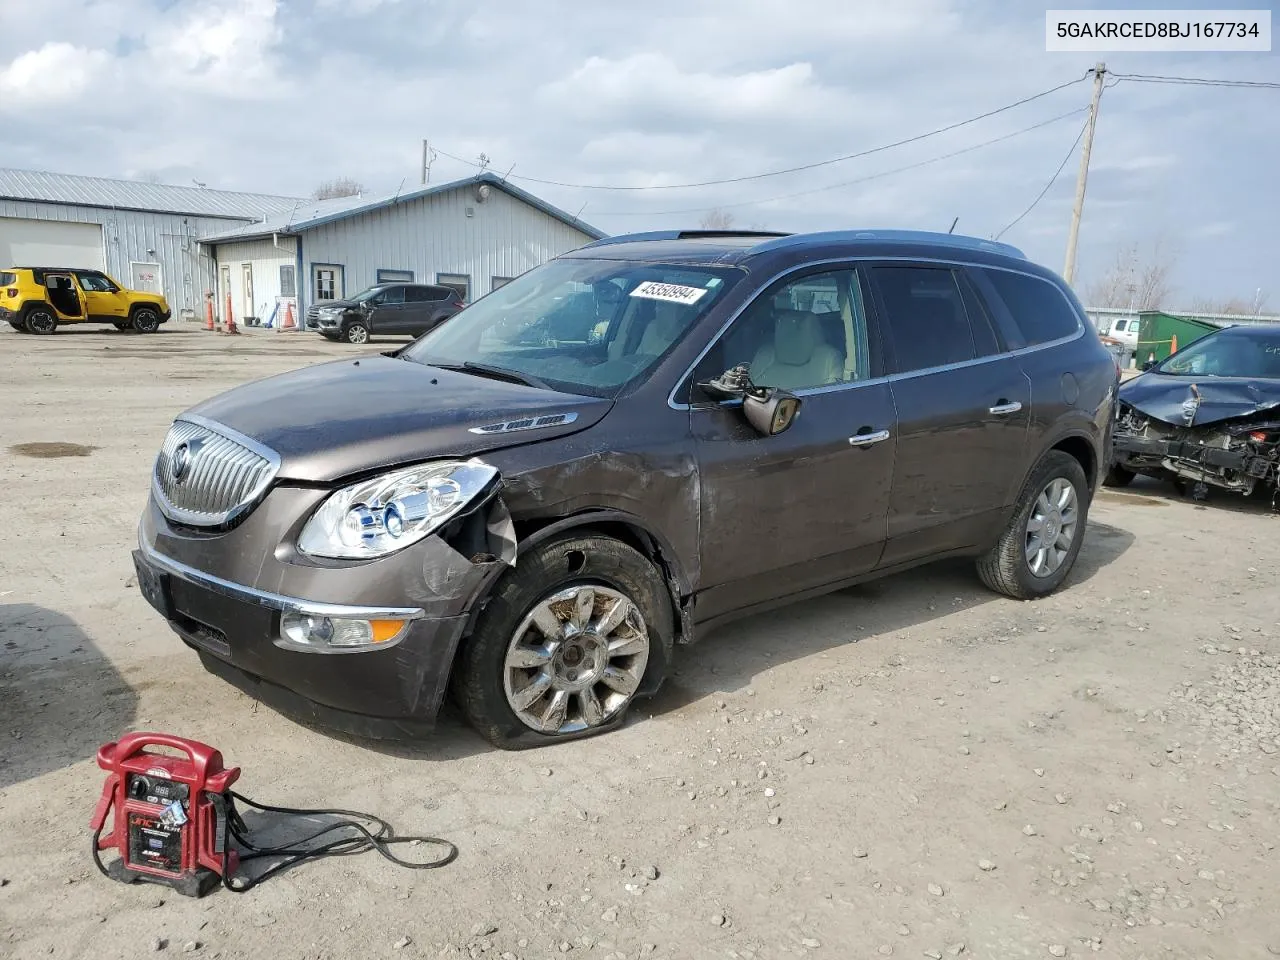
(799, 356)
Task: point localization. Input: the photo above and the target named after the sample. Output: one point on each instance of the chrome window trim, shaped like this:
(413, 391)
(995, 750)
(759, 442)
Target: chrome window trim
(275, 601)
(180, 515)
(888, 378)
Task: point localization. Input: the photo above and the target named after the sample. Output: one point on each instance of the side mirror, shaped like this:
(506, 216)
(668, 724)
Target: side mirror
(769, 410)
(1147, 365)
(772, 412)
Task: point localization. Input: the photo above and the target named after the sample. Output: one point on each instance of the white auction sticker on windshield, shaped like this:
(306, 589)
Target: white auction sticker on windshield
(671, 292)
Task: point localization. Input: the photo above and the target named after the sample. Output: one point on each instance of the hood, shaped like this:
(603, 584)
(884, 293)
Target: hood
(340, 304)
(332, 420)
(1221, 398)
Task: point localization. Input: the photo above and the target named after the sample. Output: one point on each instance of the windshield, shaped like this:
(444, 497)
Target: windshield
(1233, 353)
(579, 326)
(369, 294)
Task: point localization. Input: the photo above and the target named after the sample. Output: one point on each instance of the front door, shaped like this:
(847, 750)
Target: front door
(246, 272)
(387, 311)
(103, 300)
(963, 410)
(805, 508)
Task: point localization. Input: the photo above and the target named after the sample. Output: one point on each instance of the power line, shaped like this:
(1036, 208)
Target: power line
(849, 183)
(796, 169)
(1052, 181)
(1198, 81)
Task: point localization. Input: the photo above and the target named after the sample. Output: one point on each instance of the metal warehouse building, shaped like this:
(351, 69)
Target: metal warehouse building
(145, 235)
(473, 235)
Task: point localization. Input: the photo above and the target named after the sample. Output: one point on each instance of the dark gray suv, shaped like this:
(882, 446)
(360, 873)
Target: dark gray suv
(393, 309)
(531, 512)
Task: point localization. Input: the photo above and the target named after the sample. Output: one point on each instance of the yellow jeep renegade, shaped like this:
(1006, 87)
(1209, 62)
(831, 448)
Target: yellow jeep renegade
(38, 299)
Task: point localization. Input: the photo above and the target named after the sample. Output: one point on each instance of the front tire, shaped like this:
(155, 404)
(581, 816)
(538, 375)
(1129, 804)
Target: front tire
(20, 324)
(146, 320)
(41, 320)
(1039, 546)
(564, 644)
(355, 332)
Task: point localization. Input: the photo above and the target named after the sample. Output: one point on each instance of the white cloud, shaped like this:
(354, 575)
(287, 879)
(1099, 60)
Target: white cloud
(278, 95)
(53, 74)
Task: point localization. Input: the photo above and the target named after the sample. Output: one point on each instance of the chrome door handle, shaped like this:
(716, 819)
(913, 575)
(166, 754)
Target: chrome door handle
(867, 439)
(1002, 408)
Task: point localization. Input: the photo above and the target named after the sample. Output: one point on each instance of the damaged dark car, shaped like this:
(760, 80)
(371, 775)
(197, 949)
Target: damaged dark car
(529, 514)
(1206, 417)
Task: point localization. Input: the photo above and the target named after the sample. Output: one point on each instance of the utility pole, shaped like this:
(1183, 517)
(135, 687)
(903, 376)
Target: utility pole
(426, 150)
(1069, 271)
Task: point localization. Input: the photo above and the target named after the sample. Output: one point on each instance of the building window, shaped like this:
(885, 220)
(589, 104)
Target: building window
(456, 281)
(288, 280)
(327, 281)
(395, 276)
(496, 283)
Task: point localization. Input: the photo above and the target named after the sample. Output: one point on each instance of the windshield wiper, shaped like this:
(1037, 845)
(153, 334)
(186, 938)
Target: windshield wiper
(496, 373)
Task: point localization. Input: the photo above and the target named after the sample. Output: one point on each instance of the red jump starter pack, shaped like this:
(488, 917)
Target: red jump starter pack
(170, 824)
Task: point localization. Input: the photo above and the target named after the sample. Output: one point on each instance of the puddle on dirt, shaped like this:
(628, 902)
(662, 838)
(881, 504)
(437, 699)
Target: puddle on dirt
(1133, 499)
(51, 451)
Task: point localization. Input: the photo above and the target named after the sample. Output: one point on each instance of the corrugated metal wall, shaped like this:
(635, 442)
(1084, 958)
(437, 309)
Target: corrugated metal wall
(502, 237)
(265, 259)
(186, 270)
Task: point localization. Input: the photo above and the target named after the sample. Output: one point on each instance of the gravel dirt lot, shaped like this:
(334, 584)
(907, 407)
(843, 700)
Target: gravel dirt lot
(914, 768)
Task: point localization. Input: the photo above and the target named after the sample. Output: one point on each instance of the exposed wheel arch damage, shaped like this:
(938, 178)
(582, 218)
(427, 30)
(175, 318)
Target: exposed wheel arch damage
(491, 541)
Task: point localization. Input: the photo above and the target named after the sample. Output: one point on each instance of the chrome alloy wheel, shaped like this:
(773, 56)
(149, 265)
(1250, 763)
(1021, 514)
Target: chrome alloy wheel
(576, 660)
(1052, 527)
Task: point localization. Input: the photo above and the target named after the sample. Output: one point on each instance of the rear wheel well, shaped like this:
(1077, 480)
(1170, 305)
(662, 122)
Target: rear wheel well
(1082, 450)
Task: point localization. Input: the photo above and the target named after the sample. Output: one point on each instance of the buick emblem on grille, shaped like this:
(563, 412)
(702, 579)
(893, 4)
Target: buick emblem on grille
(182, 458)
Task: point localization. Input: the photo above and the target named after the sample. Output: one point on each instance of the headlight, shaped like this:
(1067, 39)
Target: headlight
(389, 512)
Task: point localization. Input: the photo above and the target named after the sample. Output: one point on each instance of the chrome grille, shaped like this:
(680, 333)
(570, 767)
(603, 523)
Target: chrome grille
(208, 475)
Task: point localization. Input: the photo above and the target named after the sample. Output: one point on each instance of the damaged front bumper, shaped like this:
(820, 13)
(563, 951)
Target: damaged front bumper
(1235, 459)
(236, 597)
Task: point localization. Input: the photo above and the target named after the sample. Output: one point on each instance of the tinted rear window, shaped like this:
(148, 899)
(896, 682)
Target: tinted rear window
(925, 316)
(1038, 307)
(8, 279)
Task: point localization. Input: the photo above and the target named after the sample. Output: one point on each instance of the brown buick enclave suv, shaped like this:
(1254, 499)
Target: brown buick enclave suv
(637, 441)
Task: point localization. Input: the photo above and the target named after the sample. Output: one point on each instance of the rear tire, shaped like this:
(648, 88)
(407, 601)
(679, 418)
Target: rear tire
(1118, 476)
(145, 320)
(355, 332)
(490, 674)
(1036, 534)
(41, 321)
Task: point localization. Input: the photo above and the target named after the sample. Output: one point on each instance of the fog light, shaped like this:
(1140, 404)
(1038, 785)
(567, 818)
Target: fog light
(337, 633)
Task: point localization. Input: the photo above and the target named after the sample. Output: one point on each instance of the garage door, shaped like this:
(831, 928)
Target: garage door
(50, 243)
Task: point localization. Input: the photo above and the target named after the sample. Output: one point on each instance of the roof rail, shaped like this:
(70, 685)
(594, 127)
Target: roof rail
(684, 235)
(895, 236)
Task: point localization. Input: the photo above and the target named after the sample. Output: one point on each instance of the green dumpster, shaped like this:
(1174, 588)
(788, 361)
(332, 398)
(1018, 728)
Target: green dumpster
(1157, 330)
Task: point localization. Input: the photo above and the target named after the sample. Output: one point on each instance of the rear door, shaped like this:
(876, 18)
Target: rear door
(784, 514)
(418, 307)
(963, 406)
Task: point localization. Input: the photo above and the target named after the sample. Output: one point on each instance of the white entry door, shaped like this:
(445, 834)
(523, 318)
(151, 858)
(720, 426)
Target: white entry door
(326, 282)
(145, 276)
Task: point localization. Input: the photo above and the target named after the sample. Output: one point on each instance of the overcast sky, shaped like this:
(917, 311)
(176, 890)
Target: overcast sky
(278, 95)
